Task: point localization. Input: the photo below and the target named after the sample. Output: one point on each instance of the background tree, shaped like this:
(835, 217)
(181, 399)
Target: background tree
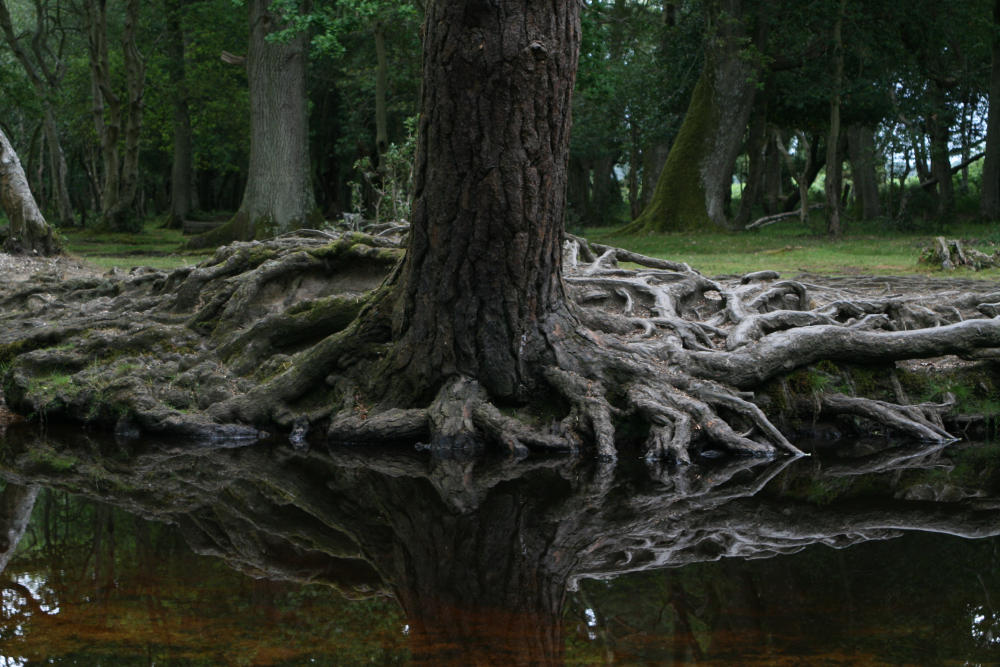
(28, 230)
(41, 55)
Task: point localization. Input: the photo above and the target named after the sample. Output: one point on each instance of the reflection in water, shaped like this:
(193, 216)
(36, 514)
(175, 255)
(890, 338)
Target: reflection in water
(499, 563)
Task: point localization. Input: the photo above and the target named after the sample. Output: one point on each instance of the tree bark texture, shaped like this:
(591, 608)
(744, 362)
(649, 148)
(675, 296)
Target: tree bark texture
(484, 258)
(28, 230)
(989, 202)
(693, 188)
(279, 195)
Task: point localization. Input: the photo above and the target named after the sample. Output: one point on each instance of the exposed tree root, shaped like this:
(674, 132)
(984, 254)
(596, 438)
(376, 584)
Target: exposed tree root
(293, 335)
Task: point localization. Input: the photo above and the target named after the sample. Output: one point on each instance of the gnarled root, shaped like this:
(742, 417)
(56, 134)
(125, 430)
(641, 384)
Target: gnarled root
(294, 334)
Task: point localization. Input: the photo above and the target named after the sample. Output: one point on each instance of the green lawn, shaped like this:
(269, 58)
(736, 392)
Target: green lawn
(153, 246)
(789, 248)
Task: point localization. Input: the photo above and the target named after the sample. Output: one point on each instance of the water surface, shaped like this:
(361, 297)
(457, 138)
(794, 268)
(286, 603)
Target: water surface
(143, 552)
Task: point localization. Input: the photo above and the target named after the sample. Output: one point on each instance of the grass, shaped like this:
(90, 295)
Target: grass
(791, 248)
(154, 246)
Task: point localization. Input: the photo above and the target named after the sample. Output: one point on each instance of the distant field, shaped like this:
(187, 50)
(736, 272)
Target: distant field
(786, 247)
(153, 246)
(790, 249)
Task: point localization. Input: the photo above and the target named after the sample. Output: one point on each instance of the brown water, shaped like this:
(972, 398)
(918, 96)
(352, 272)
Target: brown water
(348, 557)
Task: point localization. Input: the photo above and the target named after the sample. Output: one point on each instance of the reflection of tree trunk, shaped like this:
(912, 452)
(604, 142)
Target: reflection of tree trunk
(16, 503)
(482, 587)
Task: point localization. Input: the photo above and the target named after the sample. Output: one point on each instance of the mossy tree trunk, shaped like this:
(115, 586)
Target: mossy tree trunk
(29, 232)
(694, 186)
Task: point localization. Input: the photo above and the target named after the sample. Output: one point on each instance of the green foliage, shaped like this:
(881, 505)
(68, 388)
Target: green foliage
(391, 182)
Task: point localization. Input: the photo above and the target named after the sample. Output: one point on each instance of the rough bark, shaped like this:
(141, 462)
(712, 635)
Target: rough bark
(29, 232)
(693, 188)
(279, 195)
(481, 278)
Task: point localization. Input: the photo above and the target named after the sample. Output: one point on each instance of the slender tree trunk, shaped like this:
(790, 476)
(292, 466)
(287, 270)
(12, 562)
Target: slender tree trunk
(834, 159)
(757, 143)
(861, 151)
(939, 133)
(28, 230)
(381, 86)
(482, 272)
(182, 171)
(693, 189)
(121, 214)
(989, 200)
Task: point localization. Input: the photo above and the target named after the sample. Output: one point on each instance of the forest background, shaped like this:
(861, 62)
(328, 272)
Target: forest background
(699, 115)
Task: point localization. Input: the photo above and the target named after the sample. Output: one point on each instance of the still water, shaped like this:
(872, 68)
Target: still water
(143, 552)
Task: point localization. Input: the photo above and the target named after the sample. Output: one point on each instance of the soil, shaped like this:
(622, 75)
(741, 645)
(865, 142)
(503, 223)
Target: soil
(19, 268)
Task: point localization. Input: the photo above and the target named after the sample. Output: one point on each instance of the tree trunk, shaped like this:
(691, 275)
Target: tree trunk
(28, 230)
(834, 159)
(182, 191)
(939, 132)
(653, 159)
(693, 188)
(989, 201)
(757, 143)
(45, 80)
(482, 270)
(278, 195)
(381, 85)
(112, 117)
(861, 151)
